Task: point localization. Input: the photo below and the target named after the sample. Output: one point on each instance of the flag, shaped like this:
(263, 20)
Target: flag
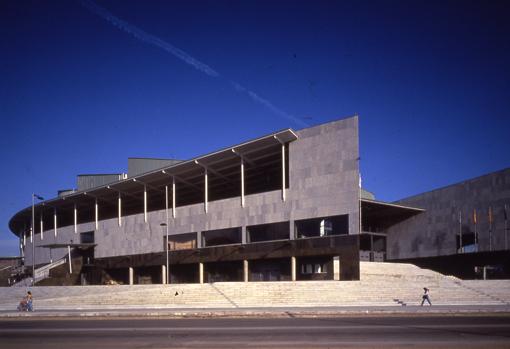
(474, 216)
(490, 215)
(38, 197)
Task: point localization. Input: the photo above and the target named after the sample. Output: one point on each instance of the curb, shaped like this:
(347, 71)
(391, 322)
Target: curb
(182, 314)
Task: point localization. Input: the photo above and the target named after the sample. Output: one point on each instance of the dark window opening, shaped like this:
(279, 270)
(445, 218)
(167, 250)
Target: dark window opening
(181, 241)
(221, 237)
(268, 232)
(325, 226)
(469, 242)
(87, 237)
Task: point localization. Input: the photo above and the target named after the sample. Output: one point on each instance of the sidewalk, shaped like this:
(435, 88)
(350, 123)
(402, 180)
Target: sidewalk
(119, 312)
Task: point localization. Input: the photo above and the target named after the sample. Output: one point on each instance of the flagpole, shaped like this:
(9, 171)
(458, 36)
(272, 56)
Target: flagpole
(490, 228)
(33, 240)
(476, 234)
(460, 232)
(506, 227)
(34, 196)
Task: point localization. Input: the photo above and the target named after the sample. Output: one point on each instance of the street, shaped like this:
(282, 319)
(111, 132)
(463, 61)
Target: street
(347, 332)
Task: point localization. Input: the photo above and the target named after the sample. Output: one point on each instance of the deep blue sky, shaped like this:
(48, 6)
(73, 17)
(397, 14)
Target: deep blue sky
(429, 79)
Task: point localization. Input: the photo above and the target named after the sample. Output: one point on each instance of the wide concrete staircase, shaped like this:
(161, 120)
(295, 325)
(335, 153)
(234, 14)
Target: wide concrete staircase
(381, 284)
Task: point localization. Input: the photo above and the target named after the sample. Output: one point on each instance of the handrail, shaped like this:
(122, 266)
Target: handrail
(44, 271)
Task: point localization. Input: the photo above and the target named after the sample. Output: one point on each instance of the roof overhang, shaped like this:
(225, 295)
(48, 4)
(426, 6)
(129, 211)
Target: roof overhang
(83, 246)
(386, 214)
(191, 168)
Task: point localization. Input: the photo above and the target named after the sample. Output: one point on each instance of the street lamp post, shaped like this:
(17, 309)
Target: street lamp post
(34, 196)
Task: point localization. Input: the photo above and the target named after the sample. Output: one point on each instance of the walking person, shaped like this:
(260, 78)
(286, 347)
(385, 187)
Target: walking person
(425, 296)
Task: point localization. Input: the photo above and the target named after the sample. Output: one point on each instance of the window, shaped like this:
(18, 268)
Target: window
(313, 268)
(87, 237)
(325, 226)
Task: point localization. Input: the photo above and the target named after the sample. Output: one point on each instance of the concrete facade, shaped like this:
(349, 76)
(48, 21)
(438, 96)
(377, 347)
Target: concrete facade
(436, 231)
(323, 181)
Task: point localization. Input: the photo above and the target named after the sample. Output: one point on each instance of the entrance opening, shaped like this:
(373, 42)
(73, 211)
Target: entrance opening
(223, 271)
(183, 273)
(314, 268)
(277, 269)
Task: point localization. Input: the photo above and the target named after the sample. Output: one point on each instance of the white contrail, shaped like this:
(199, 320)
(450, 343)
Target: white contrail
(183, 56)
(148, 38)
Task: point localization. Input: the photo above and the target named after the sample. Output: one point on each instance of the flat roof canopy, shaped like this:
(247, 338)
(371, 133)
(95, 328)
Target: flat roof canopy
(223, 168)
(386, 214)
(84, 246)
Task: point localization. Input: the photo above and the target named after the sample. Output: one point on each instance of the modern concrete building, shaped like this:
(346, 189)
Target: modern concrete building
(285, 206)
(464, 229)
(280, 207)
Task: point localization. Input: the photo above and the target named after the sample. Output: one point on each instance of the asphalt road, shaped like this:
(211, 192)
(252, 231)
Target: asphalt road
(345, 332)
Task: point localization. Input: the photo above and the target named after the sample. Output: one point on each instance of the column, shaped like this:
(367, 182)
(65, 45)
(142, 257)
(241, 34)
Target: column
(163, 275)
(244, 237)
(55, 221)
(173, 197)
(242, 182)
(201, 272)
(336, 268)
(96, 215)
(206, 189)
(293, 268)
(283, 171)
(69, 259)
(292, 230)
(75, 219)
(145, 203)
(42, 227)
(245, 270)
(199, 239)
(120, 210)
(131, 275)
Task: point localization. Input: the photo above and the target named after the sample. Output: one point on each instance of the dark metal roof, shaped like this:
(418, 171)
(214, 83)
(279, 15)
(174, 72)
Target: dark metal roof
(184, 171)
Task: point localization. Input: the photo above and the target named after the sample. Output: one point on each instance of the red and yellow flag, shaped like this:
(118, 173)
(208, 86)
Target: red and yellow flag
(474, 216)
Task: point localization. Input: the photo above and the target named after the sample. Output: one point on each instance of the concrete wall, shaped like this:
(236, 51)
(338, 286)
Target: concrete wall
(323, 171)
(434, 232)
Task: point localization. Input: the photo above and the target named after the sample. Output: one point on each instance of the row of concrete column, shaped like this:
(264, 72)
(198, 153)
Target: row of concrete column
(336, 271)
(145, 198)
